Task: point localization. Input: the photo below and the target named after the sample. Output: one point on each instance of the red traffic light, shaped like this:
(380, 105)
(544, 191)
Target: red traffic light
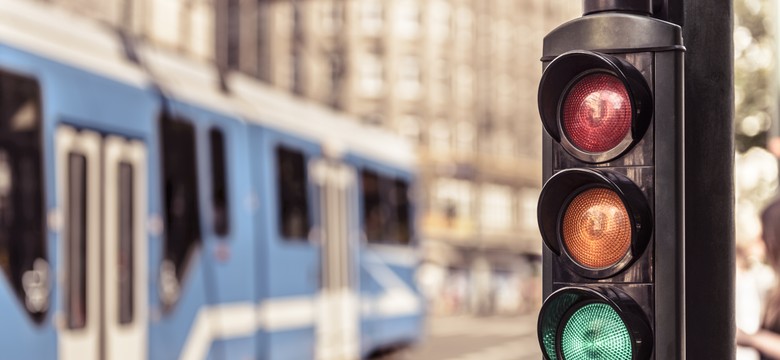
(596, 113)
(596, 105)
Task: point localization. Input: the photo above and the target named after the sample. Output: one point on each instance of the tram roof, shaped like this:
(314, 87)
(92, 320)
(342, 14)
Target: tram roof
(259, 103)
(57, 34)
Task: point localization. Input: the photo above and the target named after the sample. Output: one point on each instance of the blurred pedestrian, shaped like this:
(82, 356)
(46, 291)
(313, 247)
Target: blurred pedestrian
(431, 278)
(765, 339)
(481, 287)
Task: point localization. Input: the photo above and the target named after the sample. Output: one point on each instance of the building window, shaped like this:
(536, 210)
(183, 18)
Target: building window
(332, 16)
(219, 183)
(22, 214)
(466, 138)
(440, 20)
(371, 17)
(439, 138)
(409, 127)
(497, 210)
(408, 18)
(181, 205)
(294, 221)
(410, 78)
(441, 81)
(453, 198)
(386, 209)
(371, 76)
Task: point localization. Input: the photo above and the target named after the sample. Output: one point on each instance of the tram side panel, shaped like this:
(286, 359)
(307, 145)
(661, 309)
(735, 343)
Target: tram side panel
(233, 244)
(28, 329)
(178, 284)
(392, 311)
(226, 322)
(65, 286)
(111, 125)
(290, 254)
(194, 269)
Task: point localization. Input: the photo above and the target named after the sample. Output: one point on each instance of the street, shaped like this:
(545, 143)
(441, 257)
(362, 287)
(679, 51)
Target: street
(475, 338)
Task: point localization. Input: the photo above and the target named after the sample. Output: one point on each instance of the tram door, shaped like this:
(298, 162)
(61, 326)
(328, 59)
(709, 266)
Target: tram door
(102, 248)
(338, 304)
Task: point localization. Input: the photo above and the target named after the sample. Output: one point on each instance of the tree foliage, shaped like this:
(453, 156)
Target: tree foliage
(755, 90)
(754, 76)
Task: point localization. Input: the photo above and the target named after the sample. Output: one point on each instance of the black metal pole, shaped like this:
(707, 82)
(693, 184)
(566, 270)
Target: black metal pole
(635, 6)
(709, 171)
(669, 10)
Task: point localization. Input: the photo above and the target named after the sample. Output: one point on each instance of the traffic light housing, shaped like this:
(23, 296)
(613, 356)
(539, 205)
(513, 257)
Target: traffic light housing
(611, 209)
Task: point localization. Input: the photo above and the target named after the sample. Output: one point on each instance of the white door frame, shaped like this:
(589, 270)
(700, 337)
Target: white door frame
(338, 325)
(82, 342)
(128, 340)
(103, 157)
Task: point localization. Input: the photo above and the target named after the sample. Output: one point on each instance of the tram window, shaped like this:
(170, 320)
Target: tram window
(6, 186)
(219, 193)
(22, 225)
(402, 224)
(126, 260)
(76, 243)
(293, 195)
(180, 181)
(374, 216)
(386, 209)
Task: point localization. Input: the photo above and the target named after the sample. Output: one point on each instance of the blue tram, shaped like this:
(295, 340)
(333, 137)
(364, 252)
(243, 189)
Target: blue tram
(147, 212)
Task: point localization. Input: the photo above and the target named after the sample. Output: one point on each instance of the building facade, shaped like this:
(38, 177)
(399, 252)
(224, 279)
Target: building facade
(456, 77)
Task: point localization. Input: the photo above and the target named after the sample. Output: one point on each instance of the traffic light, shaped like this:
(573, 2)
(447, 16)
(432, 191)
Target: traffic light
(611, 209)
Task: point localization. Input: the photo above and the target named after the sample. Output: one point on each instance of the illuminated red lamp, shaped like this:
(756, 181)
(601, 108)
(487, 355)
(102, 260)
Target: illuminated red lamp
(596, 105)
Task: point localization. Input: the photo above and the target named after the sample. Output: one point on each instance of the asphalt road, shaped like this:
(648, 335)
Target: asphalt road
(479, 338)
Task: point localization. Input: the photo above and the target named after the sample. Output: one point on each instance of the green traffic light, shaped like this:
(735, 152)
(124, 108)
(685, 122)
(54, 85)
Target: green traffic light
(595, 332)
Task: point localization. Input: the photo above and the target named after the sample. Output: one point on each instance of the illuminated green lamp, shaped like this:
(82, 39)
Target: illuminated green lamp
(593, 324)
